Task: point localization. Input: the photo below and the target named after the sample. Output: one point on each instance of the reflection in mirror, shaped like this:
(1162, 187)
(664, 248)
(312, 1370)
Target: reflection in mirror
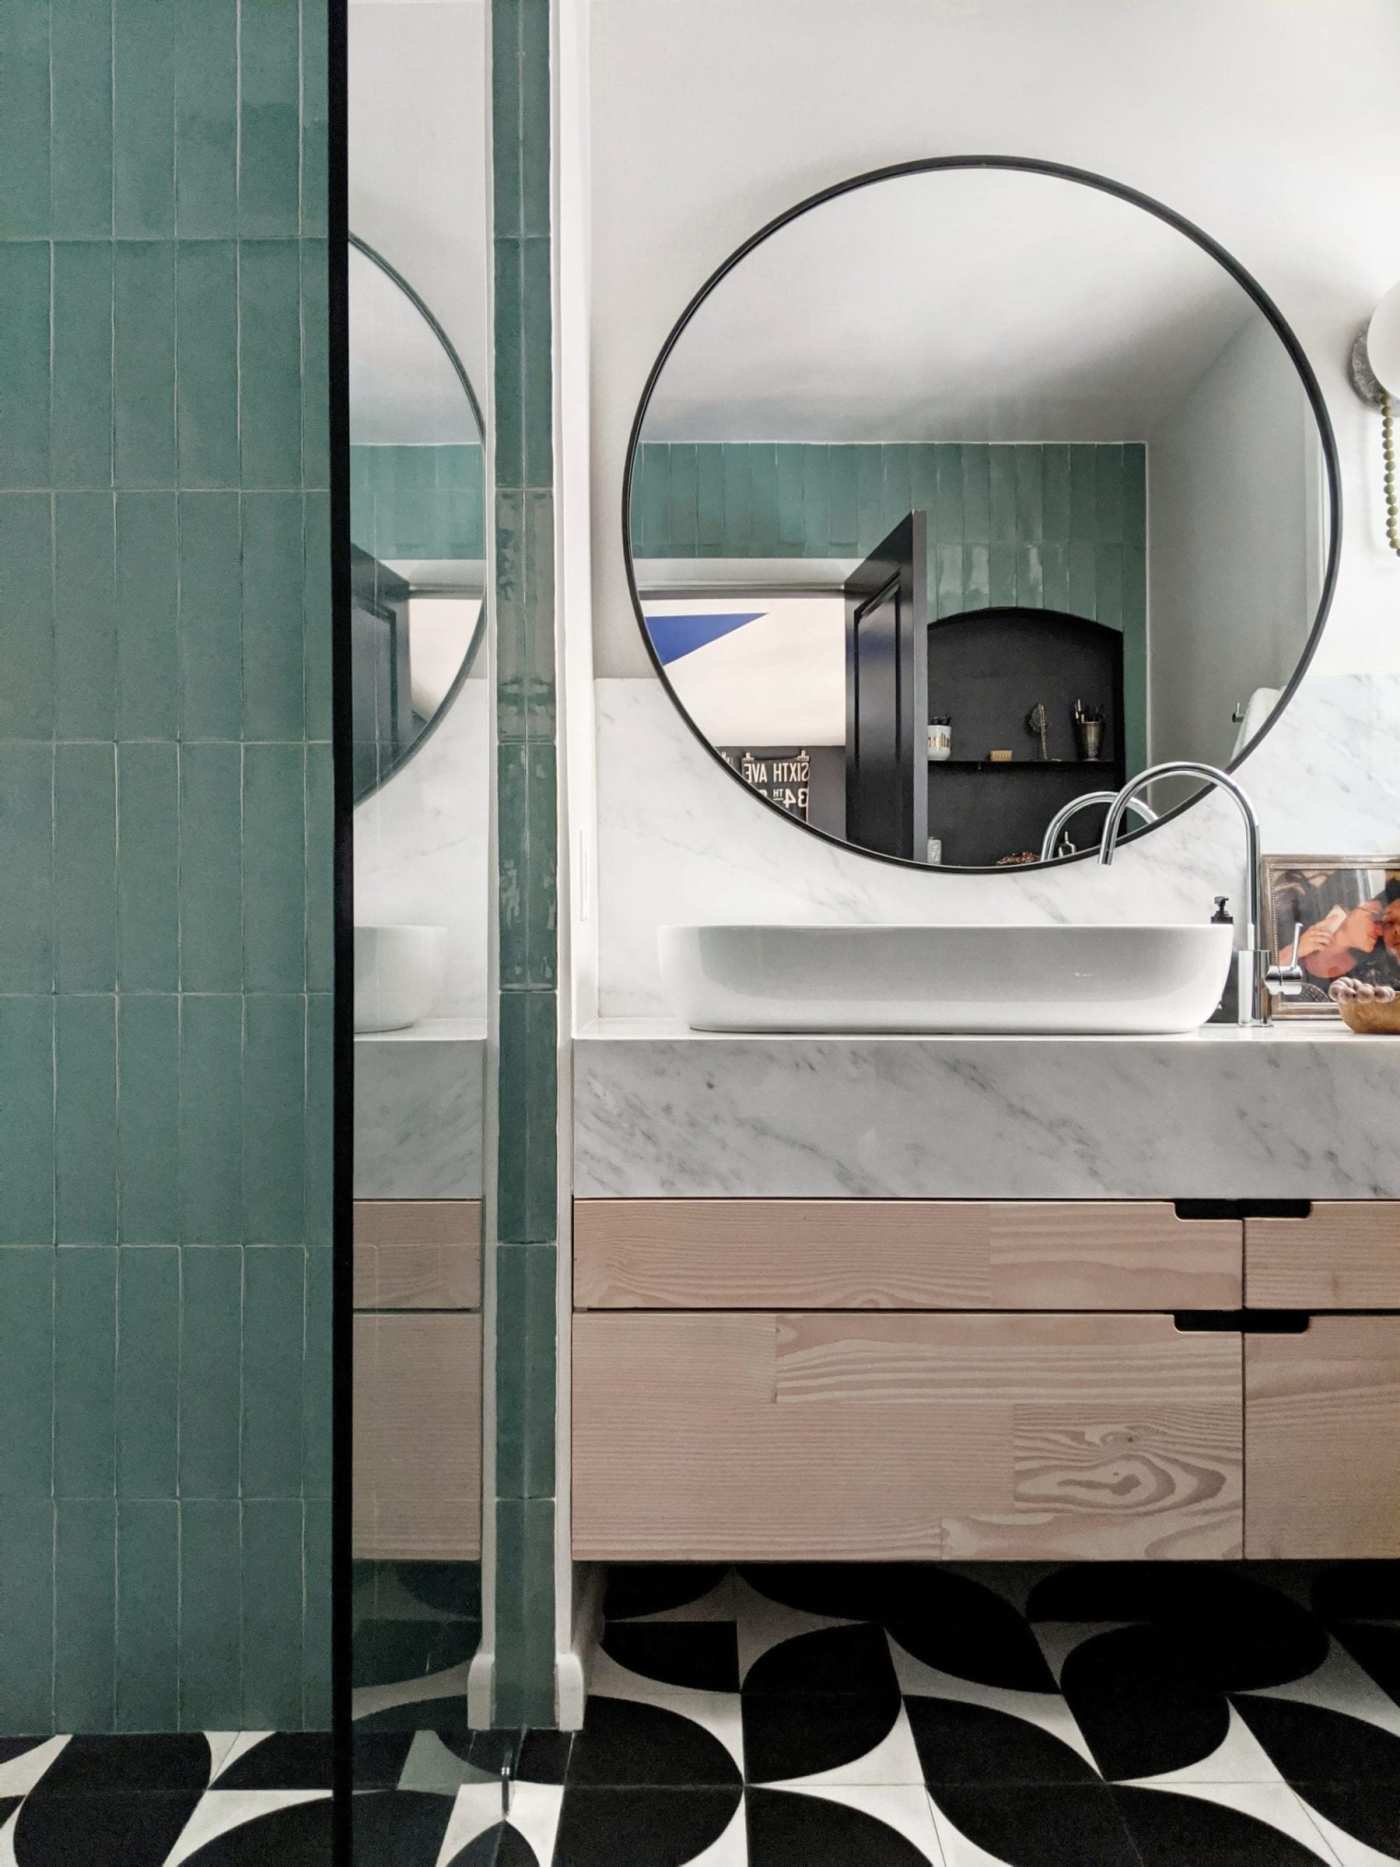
(970, 491)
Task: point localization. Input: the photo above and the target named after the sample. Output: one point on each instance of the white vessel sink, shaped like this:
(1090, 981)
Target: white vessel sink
(398, 975)
(1102, 980)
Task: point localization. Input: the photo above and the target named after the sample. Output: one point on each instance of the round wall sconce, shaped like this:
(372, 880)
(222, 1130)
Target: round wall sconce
(1375, 374)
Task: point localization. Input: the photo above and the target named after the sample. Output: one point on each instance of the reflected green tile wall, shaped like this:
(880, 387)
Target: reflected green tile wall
(165, 825)
(418, 502)
(1050, 526)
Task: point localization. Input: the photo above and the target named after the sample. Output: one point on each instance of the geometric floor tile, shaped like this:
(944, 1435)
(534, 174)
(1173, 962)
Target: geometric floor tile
(1222, 1825)
(883, 1826)
(1033, 1826)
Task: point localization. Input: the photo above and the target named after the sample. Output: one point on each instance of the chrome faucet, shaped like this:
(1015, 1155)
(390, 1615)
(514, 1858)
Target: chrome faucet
(1259, 982)
(1073, 808)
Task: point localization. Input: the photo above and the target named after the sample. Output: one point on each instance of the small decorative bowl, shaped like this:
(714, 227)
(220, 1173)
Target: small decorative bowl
(1372, 1010)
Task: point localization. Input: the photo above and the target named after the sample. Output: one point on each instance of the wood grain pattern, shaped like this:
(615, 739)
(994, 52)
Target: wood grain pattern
(1322, 1473)
(799, 1437)
(1345, 1255)
(417, 1254)
(417, 1437)
(901, 1254)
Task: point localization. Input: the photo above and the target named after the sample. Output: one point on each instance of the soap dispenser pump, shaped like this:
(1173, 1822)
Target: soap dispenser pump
(1225, 1012)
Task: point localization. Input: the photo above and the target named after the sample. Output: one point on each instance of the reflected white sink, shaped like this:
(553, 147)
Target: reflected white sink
(1010, 979)
(398, 975)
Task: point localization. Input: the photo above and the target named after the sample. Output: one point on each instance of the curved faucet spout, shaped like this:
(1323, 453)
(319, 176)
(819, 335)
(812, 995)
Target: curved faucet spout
(1067, 812)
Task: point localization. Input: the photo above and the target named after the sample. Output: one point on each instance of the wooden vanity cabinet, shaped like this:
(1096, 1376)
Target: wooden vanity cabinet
(1344, 1254)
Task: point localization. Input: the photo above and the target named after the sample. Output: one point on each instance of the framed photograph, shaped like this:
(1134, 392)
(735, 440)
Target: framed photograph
(1348, 911)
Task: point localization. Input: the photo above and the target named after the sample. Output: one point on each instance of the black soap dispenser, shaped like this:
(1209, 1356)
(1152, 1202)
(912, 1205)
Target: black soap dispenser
(1227, 1011)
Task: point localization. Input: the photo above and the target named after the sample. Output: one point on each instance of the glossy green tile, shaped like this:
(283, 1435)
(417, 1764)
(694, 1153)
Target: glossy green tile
(513, 863)
(274, 872)
(148, 644)
(526, 1357)
(870, 491)
(537, 318)
(542, 891)
(525, 1612)
(682, 518)
(316, 1616)
(977, 577)
(211, 1311)
(143, 353)
(80, 197)
(210, 896)
(317, 1425)
(320, 876)
(81, 432)
(26, 1354)
(148, 794)
(948, 505)
(1055, 494)
(148, 1370)
(26, 621)
(85, 1367)
(206, 126)
(534, 115)
(315, 366)
(148, 1615)
(1054, 575)
(85, 634)
(949, 587)
(1001, 575)
(1083, 494)
(269, 361)
(509, 365)
(539, 615)
(1108, 585)
(211, 1046)
(1108, 494)
(211, 1615)
(763, 497)
(1029, 495)
(513, 646)
(977, 495)
(314, 125)
(316, 615)
(85, 1614)
(1134, 494)
(24, 120)
(85, 1119)
(24, 362)
(738, 496)
(709, 500)
(206, 399)
(272, 1623)
(320, 1116)
(85, 868)
(26, 861)
(274, 1119)
(274, 1278)
(26, 1134)
(507, 216)
(269, 112)
(1082, 595)
(210, 604)
(274, 704)
(144, 118)
(816, 500)
(148, 1061)
(894, 485)
(526, 1164)
(1030, 577)
(1001, 466)
(792, 532)
(26, 1562)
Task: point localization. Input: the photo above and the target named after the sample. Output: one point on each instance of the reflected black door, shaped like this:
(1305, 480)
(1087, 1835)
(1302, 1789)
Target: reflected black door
(887, 695)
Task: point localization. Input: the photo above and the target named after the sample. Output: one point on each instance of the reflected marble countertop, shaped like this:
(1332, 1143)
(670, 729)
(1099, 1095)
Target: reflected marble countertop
(1300, 1110)
(418, 1110)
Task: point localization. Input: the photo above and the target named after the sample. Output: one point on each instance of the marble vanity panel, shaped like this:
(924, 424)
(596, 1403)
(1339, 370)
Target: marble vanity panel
(418, 1111)
(1286, 1113)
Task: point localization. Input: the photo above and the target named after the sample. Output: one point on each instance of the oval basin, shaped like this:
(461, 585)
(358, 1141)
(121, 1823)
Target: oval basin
(398, 975)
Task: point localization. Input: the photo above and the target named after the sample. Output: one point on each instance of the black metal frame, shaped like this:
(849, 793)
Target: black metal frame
(1134, 198)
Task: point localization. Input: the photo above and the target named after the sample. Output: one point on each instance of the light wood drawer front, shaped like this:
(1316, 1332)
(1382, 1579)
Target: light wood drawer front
(794, 1437)
(417, 1438)
(417, 1254)
(1344, 1255)
(901, 1254)
(1323, 1466)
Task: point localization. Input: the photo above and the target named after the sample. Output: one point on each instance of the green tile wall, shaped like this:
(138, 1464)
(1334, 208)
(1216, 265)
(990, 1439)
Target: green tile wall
(165, 841)
(418, 502)
(1038, 526)
(527, 1166)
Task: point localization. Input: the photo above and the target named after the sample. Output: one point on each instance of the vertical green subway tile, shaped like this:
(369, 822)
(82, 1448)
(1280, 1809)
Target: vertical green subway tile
(85, 1614)
(1055, 494)
(148, 1064)
(1030, 577)
(85, 868)
(269, 361)
(1134, 494)
(977, 577)
(24, 361)
(206, 399)
(211, 1045)
(315, 365)
(26, 1562)
(1082, 599)
(274, 1119)
(977, 495)
(211, 889)
(894, 485)
(816, 500)
(512, 617)
(26, 1354)
(527, 1183)
(148, 810)
(148, 1615)
(538, 566)
(26, 1134)
(870, 489)
(1135, 592)
(144, 363)
(206, 126)
(148, 643)
(316, 1617)
(738, 513)
(1001, 575)
(211, 1615)
(269, 130)
(85, 1366)
(537, 316)
(525, 1614)
(317, 1425)
(513, 862)
(85, 1097)
(763, 493)
(526, 1353)
(24, 121)
(1083, 494)
(534, 115)
(506, 212)
(80, 179)
(320, 877)
(923, 485)
(274, 704)
(709, 500)
(947, 525)
(1054, 576)
(274, 868)
(148, 1370)
(81, 432)
(1108, 585)
(315, 83)
(653, 498)
(210, 602)
(1029, 495)
(144, 119)
(272, 1614)
(509, 364)
(274, 1288)
(85, 633)
(1108, 494)
(791, 516)
(681, 526)
(1001, 462)
(949, 597)
(211, 1322)
(26, 862)
(320, 1117)
(542, 891)
(26, 617)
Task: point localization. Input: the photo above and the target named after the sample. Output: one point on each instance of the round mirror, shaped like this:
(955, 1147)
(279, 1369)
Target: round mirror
(417, 505)
(969, 489)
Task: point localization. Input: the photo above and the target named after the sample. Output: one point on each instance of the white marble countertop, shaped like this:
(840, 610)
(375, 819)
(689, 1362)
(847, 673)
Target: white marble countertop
(1295, 1110)
(418, 1110)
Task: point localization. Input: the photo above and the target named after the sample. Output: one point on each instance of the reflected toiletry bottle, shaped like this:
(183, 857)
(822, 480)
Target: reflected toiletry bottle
(935, 849)
(1224, 1012)
(940, 740)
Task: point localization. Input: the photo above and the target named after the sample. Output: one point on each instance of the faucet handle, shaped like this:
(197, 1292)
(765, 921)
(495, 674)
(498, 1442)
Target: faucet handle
(1282, 981)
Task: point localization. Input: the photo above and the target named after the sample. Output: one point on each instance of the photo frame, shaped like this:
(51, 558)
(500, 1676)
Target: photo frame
(1348, 909)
